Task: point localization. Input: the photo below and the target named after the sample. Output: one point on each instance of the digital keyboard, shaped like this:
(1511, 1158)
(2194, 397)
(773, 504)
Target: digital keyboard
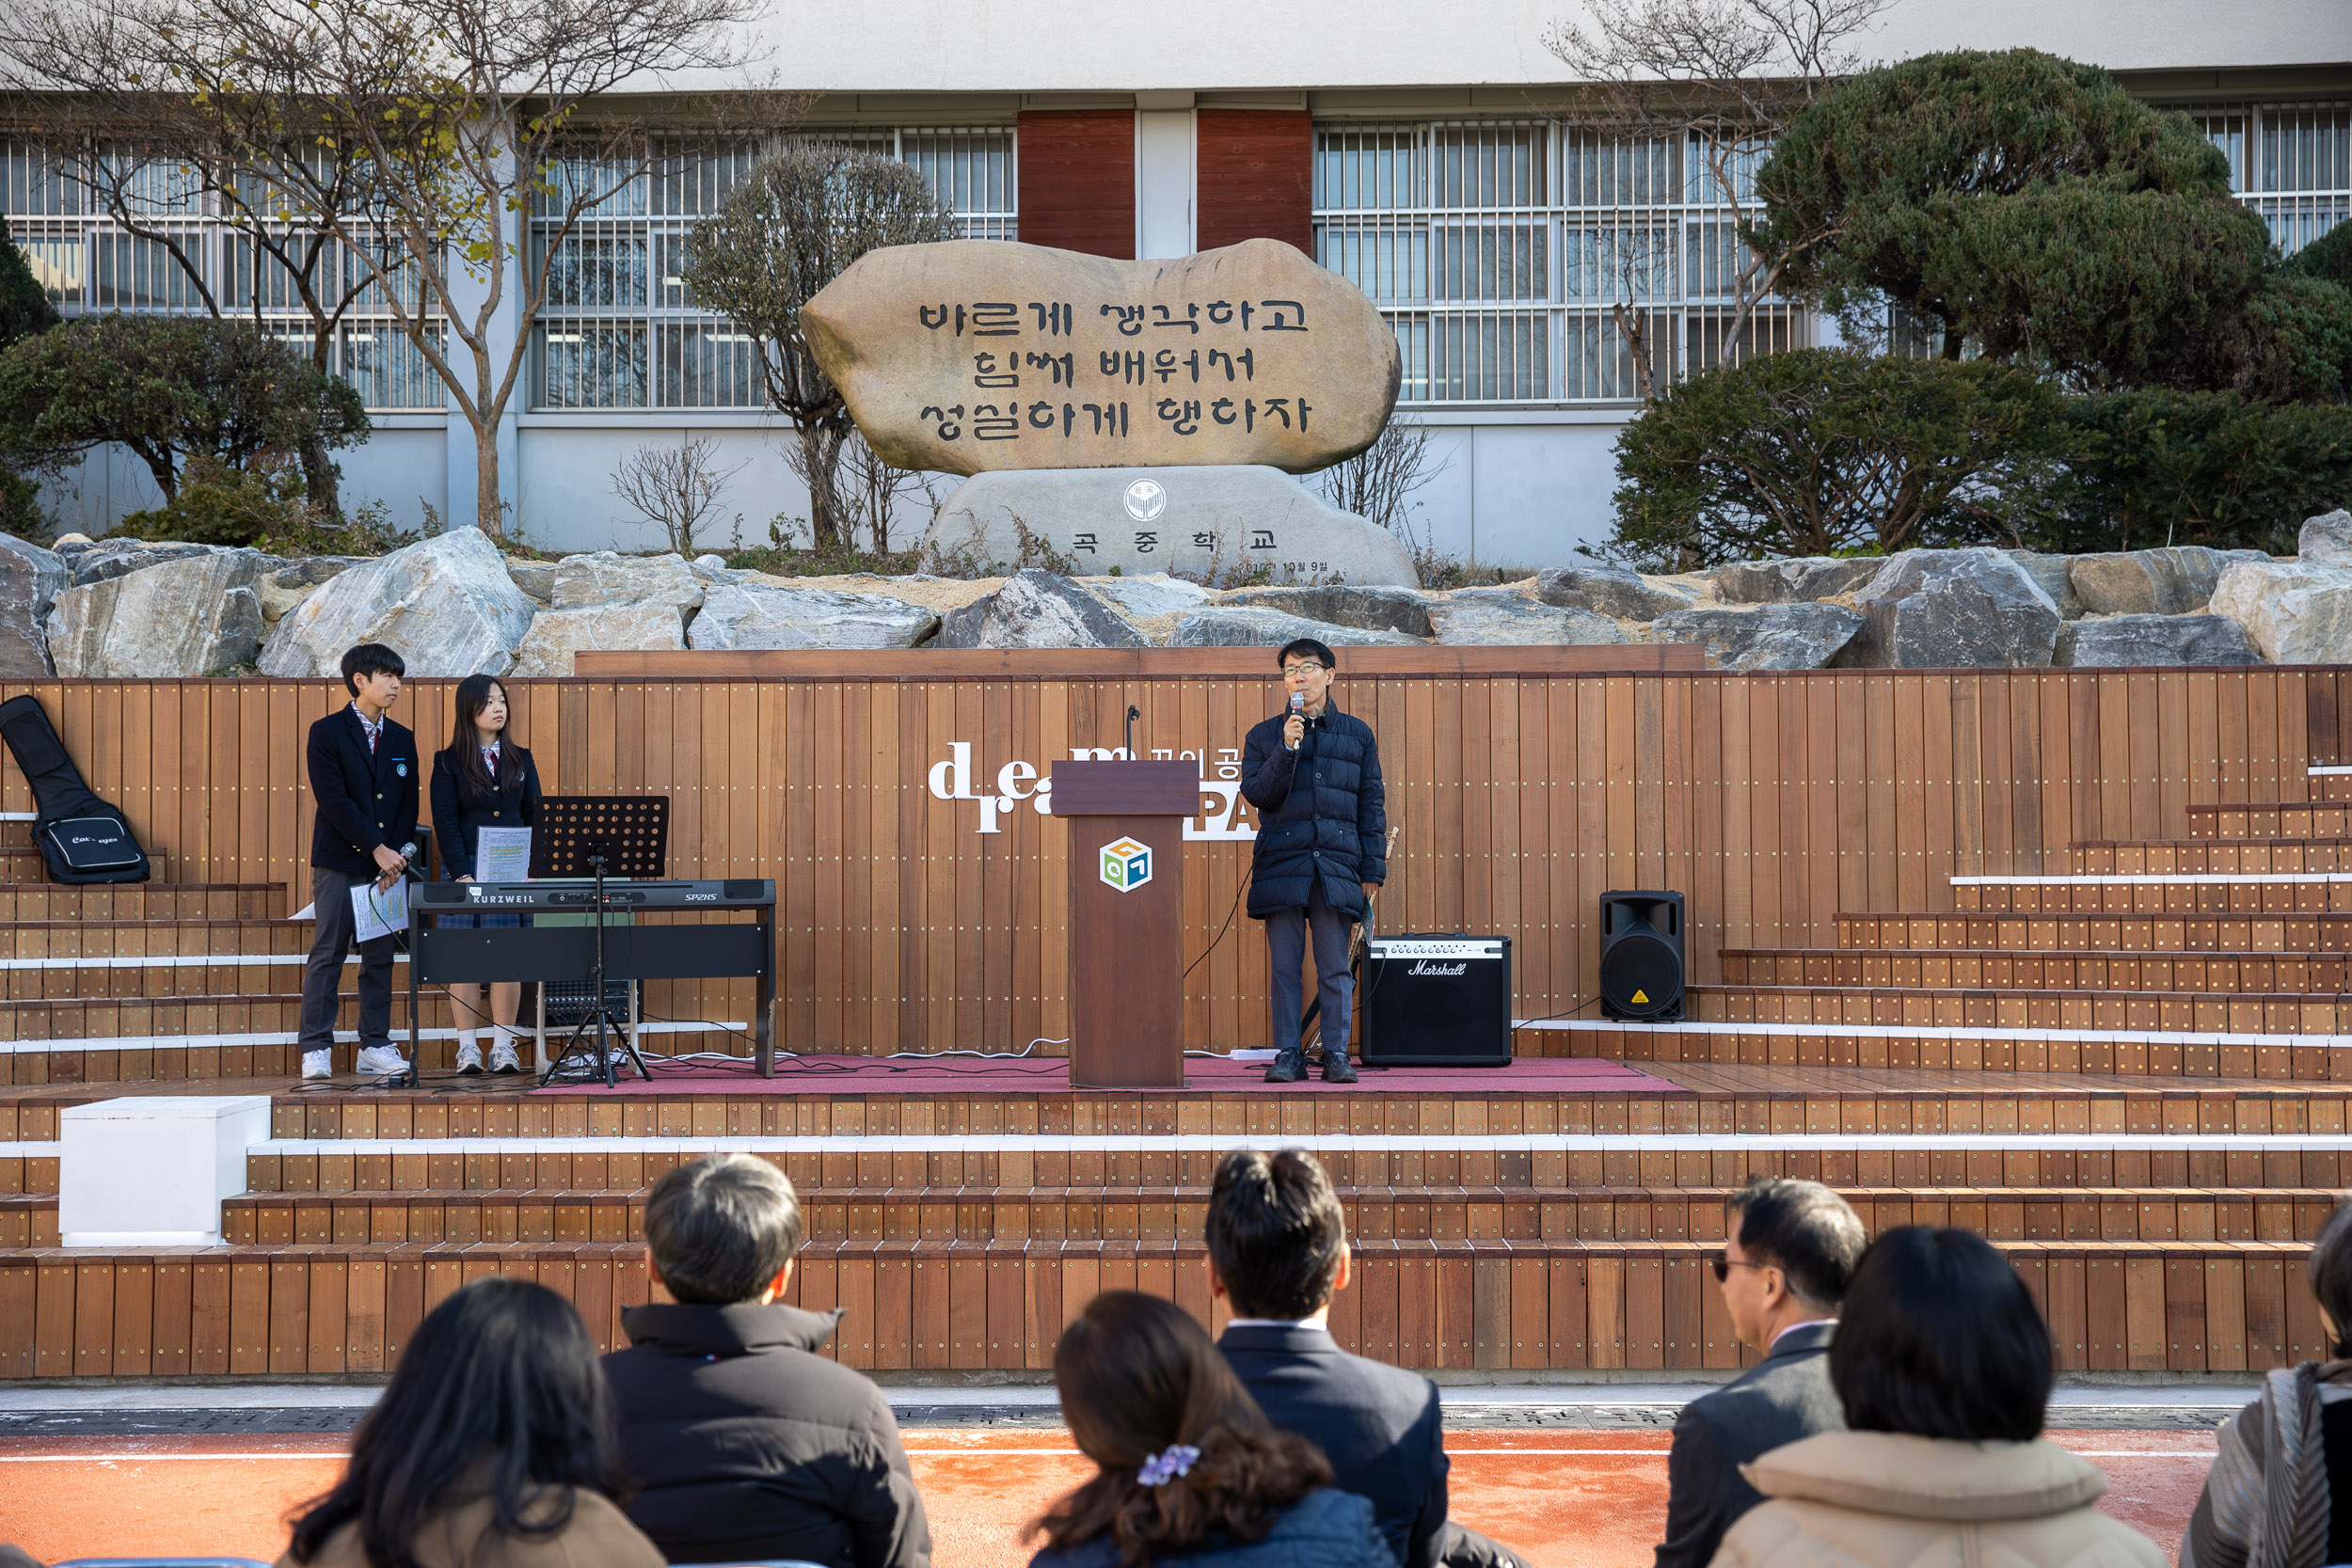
(557, 896)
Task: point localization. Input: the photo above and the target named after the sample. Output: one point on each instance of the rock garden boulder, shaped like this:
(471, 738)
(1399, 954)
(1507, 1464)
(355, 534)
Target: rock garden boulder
(753, 615)
(1400, 610)
(30, 580)
(1037, 610)
(446, 605)
(185, 615)
(2115, 641)
(2053, 572)
(1799, 580)
(2178, 581)
(119, 557)
(556, 635)
(1764, 636)
(609, 578)
(1243, 627)
(1931, 610)
(537, 579)
(289, 585)
(2293, 611)
(1606, 588)
(2326, 539)
(1489, 616)
(1156, 593)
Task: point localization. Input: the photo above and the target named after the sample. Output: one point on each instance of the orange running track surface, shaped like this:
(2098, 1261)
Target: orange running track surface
(1565, 1499)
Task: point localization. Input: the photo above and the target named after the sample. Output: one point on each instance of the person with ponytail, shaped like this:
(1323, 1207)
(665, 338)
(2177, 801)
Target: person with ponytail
(1188, 1469)
(493, 1447)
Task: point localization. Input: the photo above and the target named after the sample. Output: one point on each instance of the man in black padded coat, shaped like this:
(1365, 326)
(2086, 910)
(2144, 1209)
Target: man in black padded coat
(1277, 1252)
(1314, 774)
(740, 1441)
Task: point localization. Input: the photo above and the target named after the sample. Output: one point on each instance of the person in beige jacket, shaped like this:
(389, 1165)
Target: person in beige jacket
(493, 1447)
(1943, 1365)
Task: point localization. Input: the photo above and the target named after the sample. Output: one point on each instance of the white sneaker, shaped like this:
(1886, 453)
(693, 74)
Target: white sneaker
(504, 1059)
(469, 1057)
(381, 1058)
(318, 1063)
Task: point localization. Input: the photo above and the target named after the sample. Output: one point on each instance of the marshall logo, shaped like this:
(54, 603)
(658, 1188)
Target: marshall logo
(1423, 966)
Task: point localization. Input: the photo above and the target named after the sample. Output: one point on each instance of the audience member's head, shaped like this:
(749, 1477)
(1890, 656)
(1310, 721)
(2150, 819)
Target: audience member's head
(499, 1392)
(2330, 1267)
(1940, 1338)
(722, 1229)
(1183, 1451)
(1275, 1234)
(1802, 1229)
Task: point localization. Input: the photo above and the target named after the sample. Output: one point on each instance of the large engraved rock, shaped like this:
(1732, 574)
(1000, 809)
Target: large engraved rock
(1037, 610)
(30, 580)
(1202, 522)
(446, 606)
(750, 615)
(609, 578)
(1243, 628)
(2120, 640)
(184, 615)
(556, 635)
(2294, 612)
(1764, 636)
(975, 355)
(1934, 610)
(1499, 616)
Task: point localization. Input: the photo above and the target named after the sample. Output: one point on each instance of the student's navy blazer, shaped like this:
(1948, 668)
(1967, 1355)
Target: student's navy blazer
(362, 801)
(460, 811)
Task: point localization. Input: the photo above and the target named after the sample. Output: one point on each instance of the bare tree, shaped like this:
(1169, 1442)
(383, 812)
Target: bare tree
(1730, 74)
(476, 123)
(1378, 482)
(801, 218)
(674, 488)
(873, 486)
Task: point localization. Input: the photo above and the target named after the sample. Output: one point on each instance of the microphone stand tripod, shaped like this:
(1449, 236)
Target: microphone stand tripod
(602, 1017)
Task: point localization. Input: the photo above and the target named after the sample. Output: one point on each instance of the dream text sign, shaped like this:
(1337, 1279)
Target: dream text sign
(977, 354)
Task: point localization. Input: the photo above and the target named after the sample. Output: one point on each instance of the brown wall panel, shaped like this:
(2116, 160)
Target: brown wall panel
(1255, 175)
(1077, 179)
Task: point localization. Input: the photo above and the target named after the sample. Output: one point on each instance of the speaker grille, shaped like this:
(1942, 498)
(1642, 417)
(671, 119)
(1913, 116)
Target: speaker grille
(1640, 975)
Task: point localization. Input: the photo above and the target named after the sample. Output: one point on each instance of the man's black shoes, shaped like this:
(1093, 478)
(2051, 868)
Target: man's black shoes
(1288, 1068)
(1336, 1067)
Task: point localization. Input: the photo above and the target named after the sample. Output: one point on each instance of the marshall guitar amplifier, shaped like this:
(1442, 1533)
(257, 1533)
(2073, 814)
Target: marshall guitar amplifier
(1437, 1000)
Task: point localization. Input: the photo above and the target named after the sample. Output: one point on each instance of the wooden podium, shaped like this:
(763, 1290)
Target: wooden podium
(1126, 918)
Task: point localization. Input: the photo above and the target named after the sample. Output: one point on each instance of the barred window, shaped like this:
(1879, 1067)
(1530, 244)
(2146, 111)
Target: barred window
(618, 330)
(1523, 261)
(61, 215)
(2292, 163)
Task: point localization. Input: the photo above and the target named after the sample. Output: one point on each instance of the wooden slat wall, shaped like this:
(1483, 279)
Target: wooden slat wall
(1774, 801)
(1077, 179)
(1255, 176)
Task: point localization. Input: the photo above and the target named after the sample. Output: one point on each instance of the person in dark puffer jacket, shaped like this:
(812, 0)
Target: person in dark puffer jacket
(742, 1443)
(1190, 1473)
(1314, 774)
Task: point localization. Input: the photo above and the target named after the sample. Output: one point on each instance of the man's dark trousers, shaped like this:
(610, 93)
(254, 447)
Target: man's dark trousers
(322, 976)
(1782, 1398)
(1286, 934)
(1381, 1428)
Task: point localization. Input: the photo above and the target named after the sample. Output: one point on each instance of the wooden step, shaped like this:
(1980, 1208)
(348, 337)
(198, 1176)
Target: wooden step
(1949, 931)
(2209, 855)
(1152, 1212)
(31, 901)
(2272, 819)
(2112, 1011)
(2181, 894)
(2044, 969)
(2147, 1306)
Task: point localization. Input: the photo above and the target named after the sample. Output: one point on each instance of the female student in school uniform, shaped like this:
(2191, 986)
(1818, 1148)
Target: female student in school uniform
(483, 779)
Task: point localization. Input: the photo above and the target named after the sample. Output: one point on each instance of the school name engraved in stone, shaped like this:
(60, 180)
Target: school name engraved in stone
(974, 355)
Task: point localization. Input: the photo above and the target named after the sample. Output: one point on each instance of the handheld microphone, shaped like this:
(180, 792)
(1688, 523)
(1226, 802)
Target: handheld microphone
(1299, 702)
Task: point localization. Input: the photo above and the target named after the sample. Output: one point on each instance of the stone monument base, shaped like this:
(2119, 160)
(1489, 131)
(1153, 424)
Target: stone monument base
(1217, 524)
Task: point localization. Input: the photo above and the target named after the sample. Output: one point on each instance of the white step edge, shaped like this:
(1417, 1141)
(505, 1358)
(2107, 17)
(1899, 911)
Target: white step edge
(286, 1037)
(1928, 1032)
(1501, 1143)
(2180, 879)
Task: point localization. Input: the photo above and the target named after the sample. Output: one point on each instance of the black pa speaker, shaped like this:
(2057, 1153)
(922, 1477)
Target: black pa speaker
(1641, 957)
(1434, 999)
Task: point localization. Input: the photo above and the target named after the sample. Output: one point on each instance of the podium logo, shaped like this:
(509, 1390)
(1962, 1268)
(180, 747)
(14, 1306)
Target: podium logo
(1126, 864)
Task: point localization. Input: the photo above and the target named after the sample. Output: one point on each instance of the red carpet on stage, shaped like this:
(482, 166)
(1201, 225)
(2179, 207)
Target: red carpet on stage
(1049, 1074)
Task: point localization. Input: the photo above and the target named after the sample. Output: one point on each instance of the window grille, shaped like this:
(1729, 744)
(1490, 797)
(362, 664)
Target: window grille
(1522, 260)
(618, 330)
(2292, 163)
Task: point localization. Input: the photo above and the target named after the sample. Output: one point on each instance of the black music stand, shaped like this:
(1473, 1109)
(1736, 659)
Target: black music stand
(600, 836)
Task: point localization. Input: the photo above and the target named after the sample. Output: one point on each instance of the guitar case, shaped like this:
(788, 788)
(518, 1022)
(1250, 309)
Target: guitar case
(81, 838)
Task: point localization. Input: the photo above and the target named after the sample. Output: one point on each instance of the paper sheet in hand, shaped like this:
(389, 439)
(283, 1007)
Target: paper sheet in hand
(502, 855)
(378, 913)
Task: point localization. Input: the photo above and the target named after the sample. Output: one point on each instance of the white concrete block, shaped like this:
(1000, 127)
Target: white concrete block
(152, 1170)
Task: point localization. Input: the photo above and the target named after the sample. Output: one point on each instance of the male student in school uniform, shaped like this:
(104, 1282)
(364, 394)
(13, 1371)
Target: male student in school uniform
(363, 781)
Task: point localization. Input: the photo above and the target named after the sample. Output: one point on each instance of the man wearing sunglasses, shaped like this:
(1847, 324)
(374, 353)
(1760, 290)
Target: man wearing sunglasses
(1313, 773)
(1792, 1247)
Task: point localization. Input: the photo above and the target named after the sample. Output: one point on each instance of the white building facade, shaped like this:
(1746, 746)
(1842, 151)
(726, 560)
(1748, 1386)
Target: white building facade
(1433, 156)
